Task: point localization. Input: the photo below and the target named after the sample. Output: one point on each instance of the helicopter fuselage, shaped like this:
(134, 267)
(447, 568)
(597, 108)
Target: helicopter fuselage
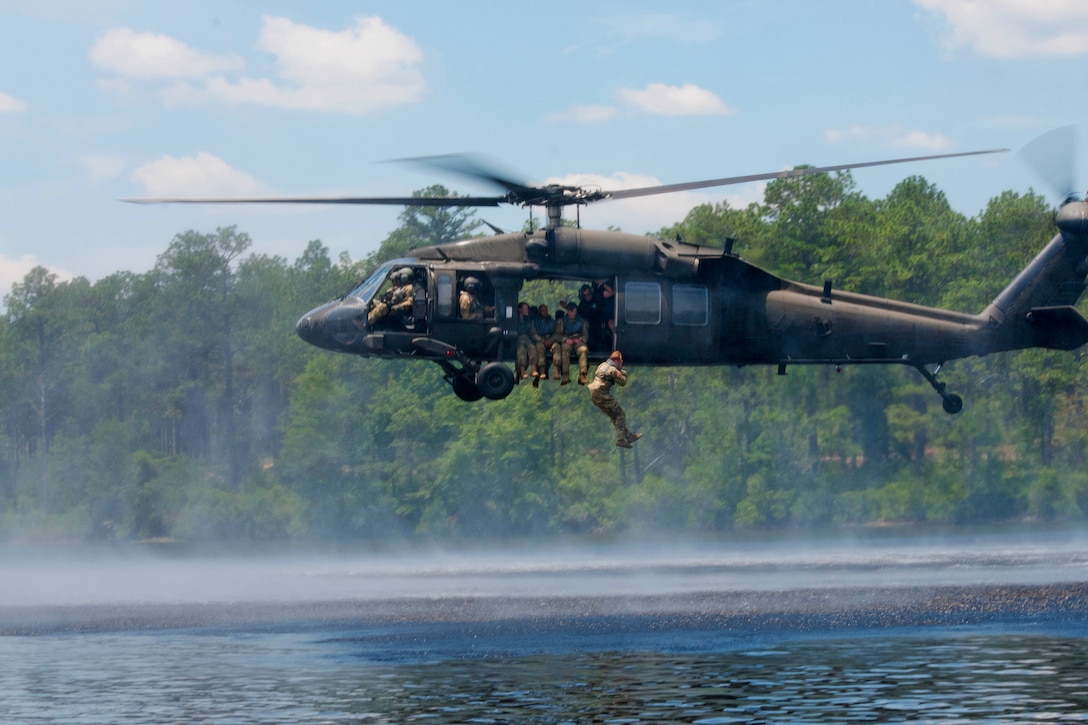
(682, 304)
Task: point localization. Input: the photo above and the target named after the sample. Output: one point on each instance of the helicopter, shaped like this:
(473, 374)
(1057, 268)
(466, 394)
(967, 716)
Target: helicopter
(672, 303)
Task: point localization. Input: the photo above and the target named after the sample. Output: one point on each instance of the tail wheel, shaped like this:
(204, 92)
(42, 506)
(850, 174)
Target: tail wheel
(495, 381)
(952, 404)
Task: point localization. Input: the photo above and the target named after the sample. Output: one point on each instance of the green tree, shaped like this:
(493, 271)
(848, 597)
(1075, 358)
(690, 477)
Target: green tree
(801, 210)
(197, 279)
(46, 322)
(921, 241)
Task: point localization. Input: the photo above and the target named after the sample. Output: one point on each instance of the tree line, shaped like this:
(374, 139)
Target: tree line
(178, 403)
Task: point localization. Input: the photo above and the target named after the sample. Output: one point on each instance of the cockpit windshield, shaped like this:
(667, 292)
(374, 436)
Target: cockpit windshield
(368, 287)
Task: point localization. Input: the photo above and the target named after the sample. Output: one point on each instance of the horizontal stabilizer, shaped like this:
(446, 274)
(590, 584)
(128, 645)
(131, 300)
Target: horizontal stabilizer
(1058, 328)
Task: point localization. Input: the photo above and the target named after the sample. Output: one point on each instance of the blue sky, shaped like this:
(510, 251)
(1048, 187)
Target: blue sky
(113, 98)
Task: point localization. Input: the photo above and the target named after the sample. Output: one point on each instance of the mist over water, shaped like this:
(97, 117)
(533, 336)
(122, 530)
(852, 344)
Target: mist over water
(145, 575)
(871, 627)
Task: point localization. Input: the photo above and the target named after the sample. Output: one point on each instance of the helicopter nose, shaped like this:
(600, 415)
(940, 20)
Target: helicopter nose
(333, 326)
(311, 327)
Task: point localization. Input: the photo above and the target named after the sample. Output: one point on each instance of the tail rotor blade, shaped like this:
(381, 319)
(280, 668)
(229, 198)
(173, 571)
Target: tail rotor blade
(1052, 157)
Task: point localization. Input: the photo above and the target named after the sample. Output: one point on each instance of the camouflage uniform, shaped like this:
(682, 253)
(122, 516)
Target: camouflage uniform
(572, 339)
(470, 306)
(398, 300)
(525, 349)
(600, 391)
(543, 334)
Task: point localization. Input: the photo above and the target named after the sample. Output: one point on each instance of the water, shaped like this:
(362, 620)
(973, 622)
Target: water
(293, 678)
(958, 629)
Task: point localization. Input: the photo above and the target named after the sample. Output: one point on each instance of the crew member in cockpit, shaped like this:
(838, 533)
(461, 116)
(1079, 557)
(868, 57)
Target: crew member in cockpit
(469, 302)
(397, 301)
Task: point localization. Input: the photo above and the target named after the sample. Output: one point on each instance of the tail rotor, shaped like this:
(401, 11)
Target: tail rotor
(1052, 157)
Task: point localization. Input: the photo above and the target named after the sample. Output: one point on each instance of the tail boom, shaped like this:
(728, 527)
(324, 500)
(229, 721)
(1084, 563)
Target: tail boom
(1037, 308)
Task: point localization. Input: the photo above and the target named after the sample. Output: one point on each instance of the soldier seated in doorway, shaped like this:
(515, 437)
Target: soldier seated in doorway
(544, 335)
(525, 349)
(572, 341)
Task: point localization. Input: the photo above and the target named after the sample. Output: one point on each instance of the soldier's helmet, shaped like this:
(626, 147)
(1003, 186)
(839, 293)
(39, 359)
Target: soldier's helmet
(403, 275)
(472, 284)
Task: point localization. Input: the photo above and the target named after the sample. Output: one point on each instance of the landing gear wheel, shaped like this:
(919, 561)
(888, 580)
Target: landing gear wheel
(495, 381)
(465, 388)
(952, 404)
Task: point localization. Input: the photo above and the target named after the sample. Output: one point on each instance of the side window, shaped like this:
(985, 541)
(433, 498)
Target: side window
(642, 303)
(444, 283)
(690, 305)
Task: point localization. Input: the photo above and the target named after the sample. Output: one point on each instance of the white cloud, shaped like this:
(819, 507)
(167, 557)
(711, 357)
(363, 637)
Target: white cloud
(655, 98)
(365, 68)
(199, 175)
(649, 213)
(891, 136)
(371, 52)
(11, 104)
(130, 54)
(594, 113)
(368, 67)
(685, 100)
(1014, 28)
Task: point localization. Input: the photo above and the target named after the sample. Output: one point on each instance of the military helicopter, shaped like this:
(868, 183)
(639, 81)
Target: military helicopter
(673, 303)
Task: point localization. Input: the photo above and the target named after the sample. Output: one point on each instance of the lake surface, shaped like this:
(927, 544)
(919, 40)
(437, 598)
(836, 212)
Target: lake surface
(878, 628)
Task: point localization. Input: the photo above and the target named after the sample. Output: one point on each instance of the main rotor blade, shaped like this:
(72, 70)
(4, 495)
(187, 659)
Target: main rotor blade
(474, 167)
(463, 164)
(1052, 157)
(519, 193)
(787, 174)
(375, 200)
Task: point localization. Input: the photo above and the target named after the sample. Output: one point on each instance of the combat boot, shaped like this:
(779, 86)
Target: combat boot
(519, 373)
(581, 378)
(623, 443)
(632, 437)
(566, 379)
(536, 380)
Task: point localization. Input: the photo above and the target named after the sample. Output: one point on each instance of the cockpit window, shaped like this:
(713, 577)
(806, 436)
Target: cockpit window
(367, 289)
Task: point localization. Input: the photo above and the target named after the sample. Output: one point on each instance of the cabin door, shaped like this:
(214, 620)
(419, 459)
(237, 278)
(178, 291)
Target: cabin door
(666, 322)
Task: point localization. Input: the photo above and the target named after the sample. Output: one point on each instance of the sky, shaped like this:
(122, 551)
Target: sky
(106, 99)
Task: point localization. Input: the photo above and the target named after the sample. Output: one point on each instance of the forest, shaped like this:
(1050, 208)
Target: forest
(177, 404)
